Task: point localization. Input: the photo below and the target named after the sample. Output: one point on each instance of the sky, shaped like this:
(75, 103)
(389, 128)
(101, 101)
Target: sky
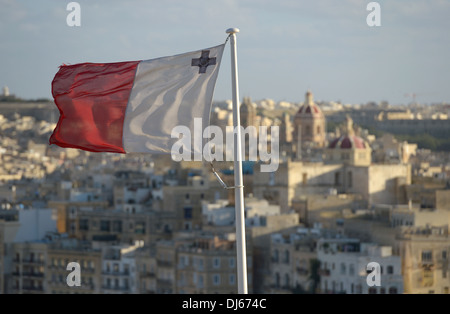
(284, 47)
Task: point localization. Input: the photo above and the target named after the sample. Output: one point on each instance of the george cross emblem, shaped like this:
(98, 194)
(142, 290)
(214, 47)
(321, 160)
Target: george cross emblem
(203, 62)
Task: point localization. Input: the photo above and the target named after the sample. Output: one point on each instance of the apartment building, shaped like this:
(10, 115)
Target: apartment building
(292, 260)
(209, 265)
(119, 269)
(60, 254)
(146, 269)
(28, 268)
(344, 265)
(425, 259)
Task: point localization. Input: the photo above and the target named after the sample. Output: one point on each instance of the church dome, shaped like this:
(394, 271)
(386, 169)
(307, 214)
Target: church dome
(309, 108)
(348, 142)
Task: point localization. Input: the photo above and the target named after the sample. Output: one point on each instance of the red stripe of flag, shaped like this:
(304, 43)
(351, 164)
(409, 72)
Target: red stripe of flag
(92, 99)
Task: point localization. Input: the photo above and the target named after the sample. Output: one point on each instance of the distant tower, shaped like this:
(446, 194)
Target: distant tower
(286, 129)
(247, 113)
(6, 91)
(309, 124)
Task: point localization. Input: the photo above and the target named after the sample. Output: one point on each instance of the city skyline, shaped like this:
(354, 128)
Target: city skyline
(284, 47)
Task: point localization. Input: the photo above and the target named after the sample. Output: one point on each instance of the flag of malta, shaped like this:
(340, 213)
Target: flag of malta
(133, 106)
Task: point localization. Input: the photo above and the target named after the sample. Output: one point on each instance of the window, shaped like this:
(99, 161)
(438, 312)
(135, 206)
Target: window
(372, 290)
(275, 256)
(216, 279)
(318, 129)
(139, 228)
(343, 269)
(390, 270)
(232, 279)
(307, 130)
(305, 178)
(286, 257)
(427, 256)
(200, 263)
(216, 262)
(187, 212)
(444, 255)
(337, 179)
(232, 262)
(393, 290)
(183, 261)
(117, 226)
(286, 280)
(104, 225)
(351, 269)
(345, 156)
(84, 224)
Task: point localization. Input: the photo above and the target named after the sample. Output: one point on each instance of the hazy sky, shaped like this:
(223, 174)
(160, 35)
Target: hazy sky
(284, 47)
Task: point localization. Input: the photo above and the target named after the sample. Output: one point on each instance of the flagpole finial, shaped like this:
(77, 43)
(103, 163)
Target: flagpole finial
(232, 30)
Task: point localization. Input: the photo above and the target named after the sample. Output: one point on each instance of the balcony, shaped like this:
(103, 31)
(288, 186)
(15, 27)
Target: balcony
(427, 263)
(148, 275)
(32, 289)
(28, 274)
(164, 284)
(29, 261)
(160, 263)
(116, 288)
(116, 273)
(302, 271)
(34, 275)
(33, 261)
(324, 272)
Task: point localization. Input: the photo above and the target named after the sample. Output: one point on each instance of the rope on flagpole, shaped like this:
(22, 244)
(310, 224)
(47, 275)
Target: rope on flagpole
(228, 37)
(222, 183)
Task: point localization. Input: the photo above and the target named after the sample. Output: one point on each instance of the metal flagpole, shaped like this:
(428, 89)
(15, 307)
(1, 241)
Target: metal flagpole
(238, 181)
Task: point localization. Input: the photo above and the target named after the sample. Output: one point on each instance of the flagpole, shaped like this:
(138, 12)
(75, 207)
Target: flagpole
(238, 180)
